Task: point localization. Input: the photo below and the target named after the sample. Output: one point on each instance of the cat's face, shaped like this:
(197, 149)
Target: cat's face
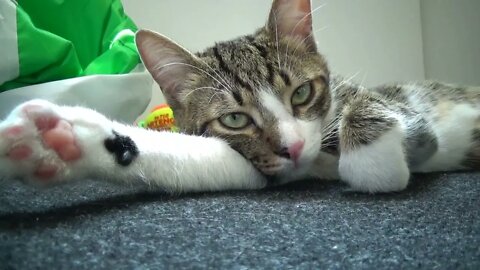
(266, 94)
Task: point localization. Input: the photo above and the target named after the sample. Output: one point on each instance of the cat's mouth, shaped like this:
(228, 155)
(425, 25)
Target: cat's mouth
(271, 169)
(269, 165)
(280, 166)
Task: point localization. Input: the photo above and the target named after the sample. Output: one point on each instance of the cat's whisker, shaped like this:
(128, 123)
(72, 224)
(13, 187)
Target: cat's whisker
(330, 130)
(329, 136)
(343, 82)
(200, 88)
(287, 65)
(363, 79)
(329, 142)
(214, 95)
(349, 79)
(211, 98)
(276, 39)
(333, 121)
(323, 146)
(216, 73)
(329, 133)
(326, 143)
(192, 66)
(298, 23)
(303, 40)
(329, 125)
(306, 15)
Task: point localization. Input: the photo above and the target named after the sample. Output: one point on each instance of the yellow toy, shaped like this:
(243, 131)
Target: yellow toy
(160, 118)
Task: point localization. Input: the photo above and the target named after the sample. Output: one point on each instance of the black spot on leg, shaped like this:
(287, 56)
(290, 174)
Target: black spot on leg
(123, 147)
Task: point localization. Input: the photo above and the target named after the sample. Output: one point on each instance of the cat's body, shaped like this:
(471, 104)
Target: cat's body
(261, 109)
(438, 124)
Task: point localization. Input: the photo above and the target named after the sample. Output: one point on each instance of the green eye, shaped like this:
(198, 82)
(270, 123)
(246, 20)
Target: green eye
(302, 94)
(235, 120)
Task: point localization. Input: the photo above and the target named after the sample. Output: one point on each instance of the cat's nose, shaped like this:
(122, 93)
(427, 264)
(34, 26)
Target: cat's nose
(293, 152)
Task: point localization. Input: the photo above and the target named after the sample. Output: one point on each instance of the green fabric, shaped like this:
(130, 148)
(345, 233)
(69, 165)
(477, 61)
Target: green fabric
(60, 39)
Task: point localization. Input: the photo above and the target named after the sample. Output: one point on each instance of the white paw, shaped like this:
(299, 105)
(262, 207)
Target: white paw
(378, 167)
(41, 142)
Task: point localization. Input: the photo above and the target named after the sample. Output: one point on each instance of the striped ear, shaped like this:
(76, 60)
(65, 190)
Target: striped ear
(292, 19)
(169, 63)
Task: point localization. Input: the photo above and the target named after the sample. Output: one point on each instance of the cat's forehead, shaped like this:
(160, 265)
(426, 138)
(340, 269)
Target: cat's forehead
(256, 61)
(244, 61)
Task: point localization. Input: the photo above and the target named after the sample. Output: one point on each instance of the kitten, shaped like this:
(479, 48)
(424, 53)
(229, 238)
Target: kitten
(257, 110)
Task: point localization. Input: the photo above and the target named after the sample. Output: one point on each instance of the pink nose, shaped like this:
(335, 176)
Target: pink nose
(295, 150)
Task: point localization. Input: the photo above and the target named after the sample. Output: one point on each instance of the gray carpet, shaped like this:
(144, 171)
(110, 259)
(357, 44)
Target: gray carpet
(434, 224)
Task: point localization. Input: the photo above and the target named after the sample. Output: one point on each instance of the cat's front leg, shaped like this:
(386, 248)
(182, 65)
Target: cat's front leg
(372, 156)
(41, 142)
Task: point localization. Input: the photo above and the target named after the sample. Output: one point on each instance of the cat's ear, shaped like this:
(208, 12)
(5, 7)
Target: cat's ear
(292, 18)
(169, 63)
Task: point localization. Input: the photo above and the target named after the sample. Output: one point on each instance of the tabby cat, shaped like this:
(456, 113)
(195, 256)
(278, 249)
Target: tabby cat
(262, 109)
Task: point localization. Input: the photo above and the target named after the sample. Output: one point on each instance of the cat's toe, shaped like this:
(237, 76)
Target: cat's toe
(62, 140)
(19, 152)
(36, 143)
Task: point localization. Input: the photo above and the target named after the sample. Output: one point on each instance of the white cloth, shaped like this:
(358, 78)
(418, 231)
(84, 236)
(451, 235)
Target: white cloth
(120, 97)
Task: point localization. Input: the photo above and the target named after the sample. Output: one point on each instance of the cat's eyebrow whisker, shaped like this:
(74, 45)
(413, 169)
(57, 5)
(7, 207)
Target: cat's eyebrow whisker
(214, 95)
(200, 88)
(192, 66)
(216, 73)
(276, 39)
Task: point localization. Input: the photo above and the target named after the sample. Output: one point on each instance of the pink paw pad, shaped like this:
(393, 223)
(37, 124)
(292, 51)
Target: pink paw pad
(58, 135)
(13, 132)
(46, 171)
(46, 123)
(20, 152)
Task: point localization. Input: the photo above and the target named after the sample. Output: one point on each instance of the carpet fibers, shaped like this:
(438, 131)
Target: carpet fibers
(312, 224)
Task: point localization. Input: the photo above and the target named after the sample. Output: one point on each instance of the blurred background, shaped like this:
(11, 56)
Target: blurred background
(372, 41)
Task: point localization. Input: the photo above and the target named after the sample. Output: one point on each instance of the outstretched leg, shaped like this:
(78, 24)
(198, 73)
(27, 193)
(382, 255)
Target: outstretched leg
(372, 137)
(43, 143)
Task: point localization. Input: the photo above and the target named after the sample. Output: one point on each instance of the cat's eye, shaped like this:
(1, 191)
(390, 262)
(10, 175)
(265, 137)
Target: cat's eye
(235, 120)
(302, 94)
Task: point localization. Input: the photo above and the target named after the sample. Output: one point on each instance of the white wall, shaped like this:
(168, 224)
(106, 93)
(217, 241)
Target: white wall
(197, 24)
(379, 40)
(451, 31)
